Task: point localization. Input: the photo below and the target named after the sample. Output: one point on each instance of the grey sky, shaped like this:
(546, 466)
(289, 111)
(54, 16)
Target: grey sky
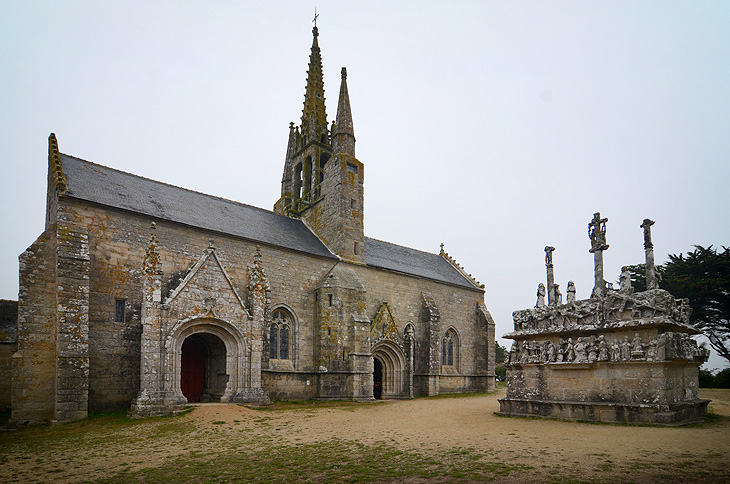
(494, 127)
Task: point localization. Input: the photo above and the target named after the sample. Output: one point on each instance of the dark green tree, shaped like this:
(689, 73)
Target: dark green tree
(499, 352)
(702, 276)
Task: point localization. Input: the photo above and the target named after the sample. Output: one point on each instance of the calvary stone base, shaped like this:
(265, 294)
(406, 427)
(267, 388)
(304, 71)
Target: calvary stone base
(619, 356)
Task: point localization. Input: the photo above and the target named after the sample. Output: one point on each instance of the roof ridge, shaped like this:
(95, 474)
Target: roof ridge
(174, 186)
(460, 268)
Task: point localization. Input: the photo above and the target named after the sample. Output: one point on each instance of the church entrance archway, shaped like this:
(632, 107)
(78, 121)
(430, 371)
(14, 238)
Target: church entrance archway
(203, 376)
(389, 369)
(377, 379)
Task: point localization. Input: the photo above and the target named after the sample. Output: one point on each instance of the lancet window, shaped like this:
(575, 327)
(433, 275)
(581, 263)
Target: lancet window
(450, 349)
(280, 334)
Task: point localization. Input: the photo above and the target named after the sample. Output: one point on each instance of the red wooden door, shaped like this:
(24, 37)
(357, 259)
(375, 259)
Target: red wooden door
(192, 371)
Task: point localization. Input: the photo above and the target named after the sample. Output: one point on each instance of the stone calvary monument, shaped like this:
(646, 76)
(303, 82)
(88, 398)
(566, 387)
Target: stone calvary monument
(620, 356)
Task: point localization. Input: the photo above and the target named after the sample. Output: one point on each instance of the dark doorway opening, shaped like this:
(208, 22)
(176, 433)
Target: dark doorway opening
(377, 378)
(192, 369)
(203, 375)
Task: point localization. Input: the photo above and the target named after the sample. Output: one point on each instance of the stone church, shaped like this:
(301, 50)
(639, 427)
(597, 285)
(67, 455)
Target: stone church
(147, 296)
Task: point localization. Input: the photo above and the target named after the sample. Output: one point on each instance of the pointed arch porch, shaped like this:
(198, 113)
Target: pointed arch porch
(393, 369)
(237, 376)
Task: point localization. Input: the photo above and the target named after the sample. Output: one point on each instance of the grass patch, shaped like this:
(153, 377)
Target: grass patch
(333, 461)
(711, 416)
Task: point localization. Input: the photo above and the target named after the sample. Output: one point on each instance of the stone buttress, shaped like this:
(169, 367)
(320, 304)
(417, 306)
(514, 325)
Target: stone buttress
(342, 339)
(51, 367)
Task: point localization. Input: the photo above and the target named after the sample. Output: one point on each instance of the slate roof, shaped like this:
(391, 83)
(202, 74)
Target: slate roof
(113, 188)
(411, 261)
(100, 184)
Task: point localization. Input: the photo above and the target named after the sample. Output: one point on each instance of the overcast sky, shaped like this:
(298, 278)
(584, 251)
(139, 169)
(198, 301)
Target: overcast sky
(494, 127)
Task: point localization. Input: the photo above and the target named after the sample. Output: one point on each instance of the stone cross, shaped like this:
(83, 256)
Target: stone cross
(651, 278)
(597, 234)
(550, 275)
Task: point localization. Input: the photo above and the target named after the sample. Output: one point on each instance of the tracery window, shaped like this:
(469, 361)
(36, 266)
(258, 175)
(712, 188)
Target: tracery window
(450, 349)
(279, 334)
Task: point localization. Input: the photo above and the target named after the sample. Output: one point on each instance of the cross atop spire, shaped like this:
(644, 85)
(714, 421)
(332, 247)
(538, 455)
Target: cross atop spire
(315, 17)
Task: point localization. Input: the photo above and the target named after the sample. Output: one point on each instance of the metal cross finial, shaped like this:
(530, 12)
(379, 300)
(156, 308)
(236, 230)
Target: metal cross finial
(315, 16)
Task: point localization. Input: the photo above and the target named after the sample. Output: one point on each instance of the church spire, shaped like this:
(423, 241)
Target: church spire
(343, 134)
(314, 117)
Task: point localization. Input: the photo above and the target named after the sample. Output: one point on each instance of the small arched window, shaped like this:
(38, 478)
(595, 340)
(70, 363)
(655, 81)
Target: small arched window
(279, 334)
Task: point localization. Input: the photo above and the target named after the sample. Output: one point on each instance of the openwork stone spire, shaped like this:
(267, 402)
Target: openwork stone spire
(314, 116)
(343, 134)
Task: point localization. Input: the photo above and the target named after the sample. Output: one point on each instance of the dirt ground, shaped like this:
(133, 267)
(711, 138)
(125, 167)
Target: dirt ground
(571, 451)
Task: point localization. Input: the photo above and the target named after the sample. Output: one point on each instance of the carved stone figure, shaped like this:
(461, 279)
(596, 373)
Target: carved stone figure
(571, 292)
(637, 348)
(514, 353)
(616, 351)
(551, 352)
(597, 234)
(535, 354)
(591, 349)
(626, 349)
(625, 281)
(561, 350)
(581, 351)
(570, 350)
(525, 353)
(540, 296)
(544, 356)
(602, 349)
(651, 350)
(558, 296)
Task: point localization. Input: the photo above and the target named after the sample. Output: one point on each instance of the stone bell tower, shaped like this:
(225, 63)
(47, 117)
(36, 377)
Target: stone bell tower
(323, 181)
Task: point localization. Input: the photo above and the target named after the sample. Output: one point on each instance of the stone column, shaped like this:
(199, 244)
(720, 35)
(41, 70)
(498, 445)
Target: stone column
(550, 275)
(597, 234)
(651, 278)
(260, 297)
(431, 318)
(408, 339)
(154, 397)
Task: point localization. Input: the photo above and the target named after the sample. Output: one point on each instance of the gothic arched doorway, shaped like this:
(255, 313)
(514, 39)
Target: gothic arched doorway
(377, 378)
(203, 376)
(389, 368)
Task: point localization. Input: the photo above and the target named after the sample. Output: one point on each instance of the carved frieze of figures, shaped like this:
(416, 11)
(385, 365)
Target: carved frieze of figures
(608, 348)
(617, 307)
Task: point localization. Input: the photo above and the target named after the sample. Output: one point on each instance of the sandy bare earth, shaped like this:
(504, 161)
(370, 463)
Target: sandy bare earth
(429, 426)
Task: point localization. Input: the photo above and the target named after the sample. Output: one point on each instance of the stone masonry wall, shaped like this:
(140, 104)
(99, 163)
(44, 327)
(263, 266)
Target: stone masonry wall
(117, 241)
(72, 344)
(8, 346)
(34, 367)
(457, 310)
